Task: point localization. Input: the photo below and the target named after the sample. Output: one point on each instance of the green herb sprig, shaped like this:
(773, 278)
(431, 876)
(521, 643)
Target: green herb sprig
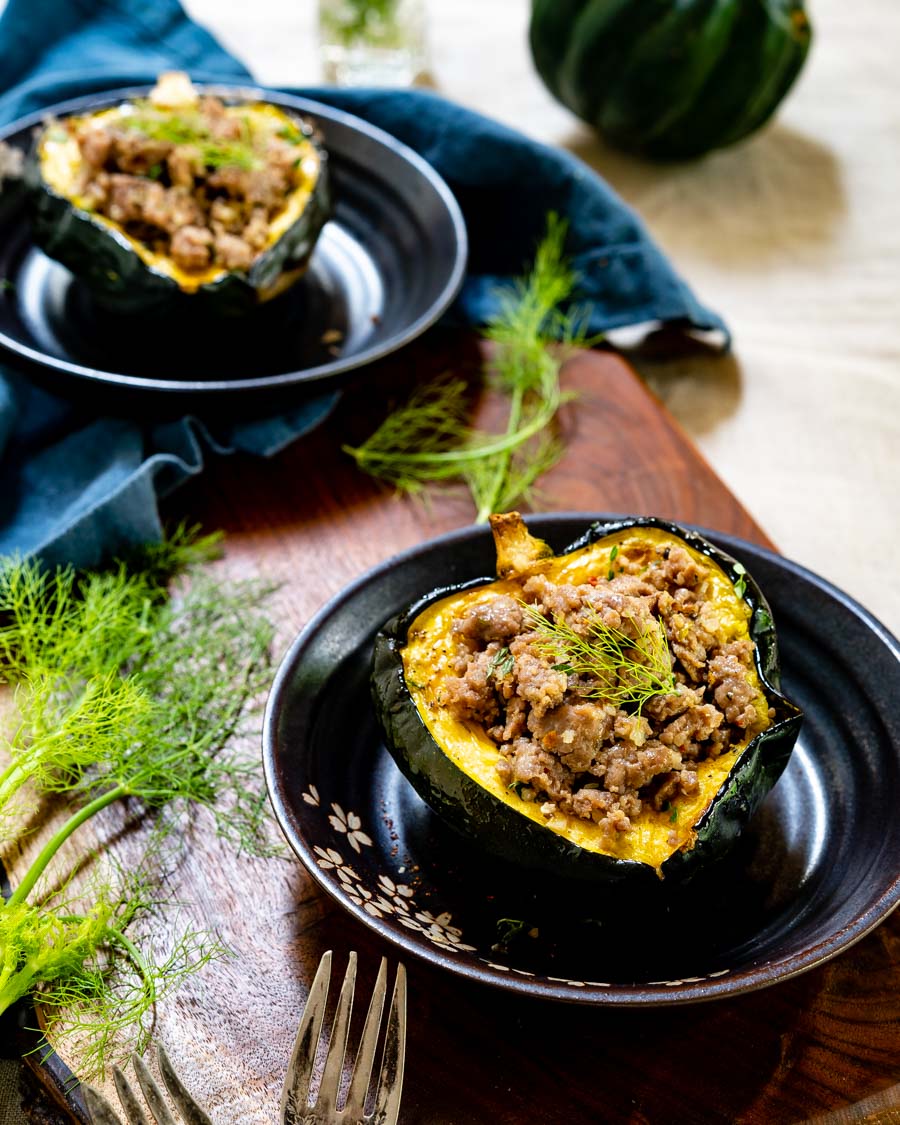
(613, 555)
(501, 663)
(428, 440)
(624, 670)
(122, 692)
(355, 20)
(187, 127)
(740, 587)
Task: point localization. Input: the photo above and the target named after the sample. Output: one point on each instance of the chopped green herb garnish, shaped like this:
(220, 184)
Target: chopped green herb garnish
(508, 930)
(501, 664)
(673, 815)
(188, 127)
(763, 619)
(740, 587)
(291, 134)
(517, 787)
(612, 558)
(154, 171)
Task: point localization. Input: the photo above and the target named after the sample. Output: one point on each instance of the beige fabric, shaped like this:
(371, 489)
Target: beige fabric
(793, 236)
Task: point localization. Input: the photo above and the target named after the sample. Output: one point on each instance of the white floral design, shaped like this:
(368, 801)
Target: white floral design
(328, 857)
(363, 897)
(400, 894)
(331, 860)
(438, 929)
(350, 824)
(389, 898)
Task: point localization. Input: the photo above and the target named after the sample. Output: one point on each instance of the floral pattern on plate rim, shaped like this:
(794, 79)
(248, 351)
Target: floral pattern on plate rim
(397, 900)
(387, 897)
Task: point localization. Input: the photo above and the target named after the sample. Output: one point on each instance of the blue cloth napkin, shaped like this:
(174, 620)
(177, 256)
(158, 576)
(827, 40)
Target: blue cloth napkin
(77, 487)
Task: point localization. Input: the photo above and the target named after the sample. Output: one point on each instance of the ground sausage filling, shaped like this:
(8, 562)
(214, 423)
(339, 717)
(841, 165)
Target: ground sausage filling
(198, 182)
(602, 698)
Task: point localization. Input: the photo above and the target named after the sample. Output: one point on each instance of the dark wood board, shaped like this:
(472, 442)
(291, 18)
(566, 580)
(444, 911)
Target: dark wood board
(824, 1046)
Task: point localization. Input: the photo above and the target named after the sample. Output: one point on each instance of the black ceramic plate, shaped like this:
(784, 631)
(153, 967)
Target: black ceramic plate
(386, 266)
(818, 868)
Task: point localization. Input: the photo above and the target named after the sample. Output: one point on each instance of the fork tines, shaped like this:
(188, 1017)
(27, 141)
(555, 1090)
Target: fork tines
(189, 1111)
(295, 1097)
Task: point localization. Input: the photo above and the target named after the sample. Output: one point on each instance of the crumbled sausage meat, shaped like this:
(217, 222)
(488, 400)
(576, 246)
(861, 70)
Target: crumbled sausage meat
(561, 742)
(495, 620)
(232, 252)
(192, 247)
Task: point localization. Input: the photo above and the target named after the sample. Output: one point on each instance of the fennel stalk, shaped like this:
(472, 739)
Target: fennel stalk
(125, 690)
(428, 439)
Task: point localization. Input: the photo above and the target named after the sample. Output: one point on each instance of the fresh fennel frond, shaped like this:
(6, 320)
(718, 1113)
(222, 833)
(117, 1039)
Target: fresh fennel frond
(122, 690)
(429, 439)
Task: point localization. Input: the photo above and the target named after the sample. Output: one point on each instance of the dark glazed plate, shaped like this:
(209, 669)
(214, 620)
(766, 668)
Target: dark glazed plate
(386, 266)
(818, 868)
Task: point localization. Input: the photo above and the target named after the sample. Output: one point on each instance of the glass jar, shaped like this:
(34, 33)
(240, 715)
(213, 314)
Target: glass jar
(372, 42)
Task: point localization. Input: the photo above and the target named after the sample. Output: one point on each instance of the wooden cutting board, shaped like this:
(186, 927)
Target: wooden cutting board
(822, 1047)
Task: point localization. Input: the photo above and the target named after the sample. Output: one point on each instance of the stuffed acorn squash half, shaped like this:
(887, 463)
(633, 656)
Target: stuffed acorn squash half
(178, 201)
(612, 713)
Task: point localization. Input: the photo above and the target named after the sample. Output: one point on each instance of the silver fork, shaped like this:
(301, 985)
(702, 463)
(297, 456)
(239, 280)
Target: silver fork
(189, 1111)
(295, 1109)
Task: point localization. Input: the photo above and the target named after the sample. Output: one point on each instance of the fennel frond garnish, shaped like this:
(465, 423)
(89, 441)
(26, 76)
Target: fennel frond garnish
(429, 440)
(620, 668)
(124, 690)
(188, 127)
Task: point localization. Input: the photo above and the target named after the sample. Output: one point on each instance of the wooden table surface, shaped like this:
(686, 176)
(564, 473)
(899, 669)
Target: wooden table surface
(823, 1047)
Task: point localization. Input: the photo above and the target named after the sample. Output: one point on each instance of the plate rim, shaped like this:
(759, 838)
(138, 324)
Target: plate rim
(654, 994)
(312, 377)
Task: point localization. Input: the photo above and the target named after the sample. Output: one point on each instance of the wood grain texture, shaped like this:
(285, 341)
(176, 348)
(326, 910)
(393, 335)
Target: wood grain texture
(817, 1045)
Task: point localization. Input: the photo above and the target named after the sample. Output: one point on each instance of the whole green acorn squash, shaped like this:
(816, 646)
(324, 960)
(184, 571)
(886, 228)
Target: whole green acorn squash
(670, 79)
(452, 763)
(127, 273)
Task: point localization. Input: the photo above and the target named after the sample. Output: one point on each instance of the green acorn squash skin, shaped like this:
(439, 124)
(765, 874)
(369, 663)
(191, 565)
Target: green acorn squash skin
(507, 835)
(105, 261)
(670, 80)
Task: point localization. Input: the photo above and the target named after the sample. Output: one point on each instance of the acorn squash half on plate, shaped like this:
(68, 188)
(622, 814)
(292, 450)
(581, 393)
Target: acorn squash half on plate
(641, 684)
(180, 201)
